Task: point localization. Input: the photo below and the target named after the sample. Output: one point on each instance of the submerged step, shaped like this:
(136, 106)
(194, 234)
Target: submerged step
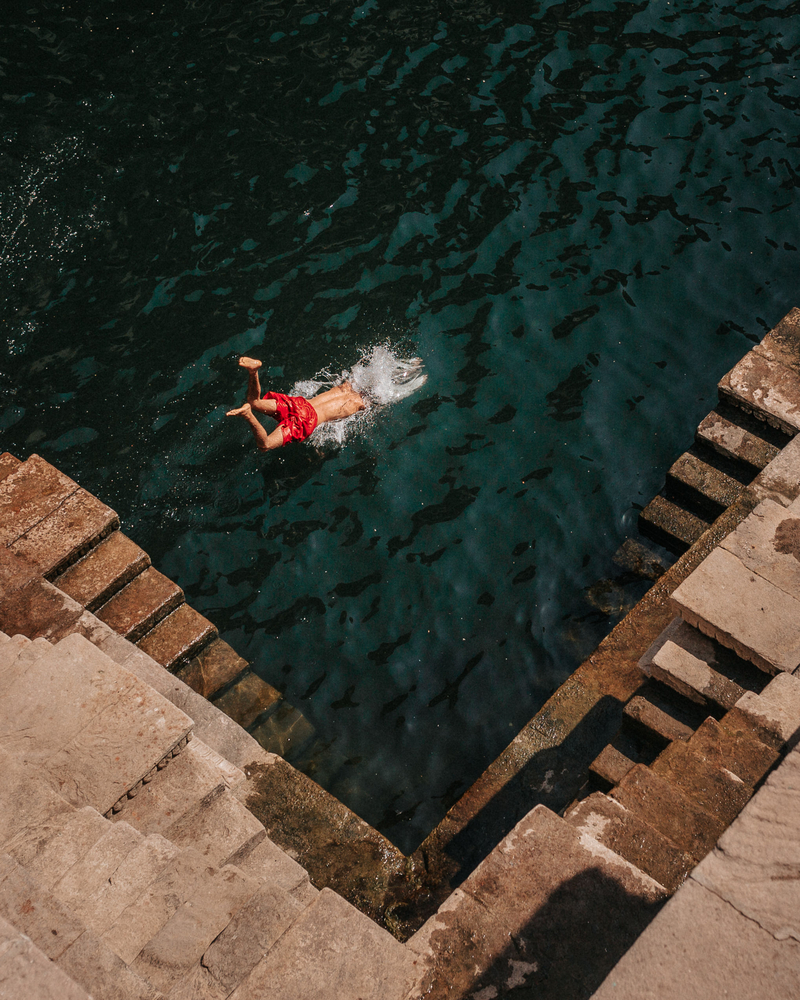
(734, 442)
(670, 525)
(694, 481)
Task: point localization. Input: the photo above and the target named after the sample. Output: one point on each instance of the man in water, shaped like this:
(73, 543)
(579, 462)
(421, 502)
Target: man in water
(297, 417)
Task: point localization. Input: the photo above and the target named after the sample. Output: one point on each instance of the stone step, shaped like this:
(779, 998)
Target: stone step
(740, 752)
(269, 864)
(107, 568)
(547, 885)
(713, 787)
(32, 491)
(653, 722)
(67, 845)
(235, 952)
(286, 732)
(141, 604)
(219, 827)
(8, 464)
(609, 767)
(15, 657)
(707, 490)
(670, 525)
(65, 534)
(189, 779)
(625, 833)
(774, 714)
(247, 699)
(742, 610)
(178, 637)
(178, 946)
(760, 385)
(735, 442)
(657, 802)
(212, 669)
(145, 917)
(30, 811)
(141, 867)
(91, 725)
(102, 973)
(27, 973)
(91, 872)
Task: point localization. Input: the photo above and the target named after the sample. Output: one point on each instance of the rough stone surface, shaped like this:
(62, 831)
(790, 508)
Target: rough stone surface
(766, 389)
(711, 786)
(353, 959)
(69, 844)
(26, 972)
(654, 721)
(214, 667)
(245, 700)
(621, 831)
(16, 572)
(109, 566)
(743, 611)
(144, 918)
(740, 752)
(250, 935)
(768, 543)
(663, 806)
(88, 875)
(27, 805)
(39, 610)
(776, 711)
(756, 863)
(8, 464)
(269, 864)
(692, 677)
(15, 658)
(610, 766)
(780, 480)
(178, 636)
(28, 495)
(699, 947)
(67, 532)
(782, 343)
(230, 772)
(219, 827)
(185, 781)
(713, 490)
(89, 962)
(735, 442)
(670, 525)
(34, 911)
(550, 908)
(180, 943)
(140, 605)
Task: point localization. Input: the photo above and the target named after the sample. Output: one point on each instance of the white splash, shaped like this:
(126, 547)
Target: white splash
(382, 377)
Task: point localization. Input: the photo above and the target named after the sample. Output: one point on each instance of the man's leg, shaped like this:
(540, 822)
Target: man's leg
(253, 384)
(264, 441)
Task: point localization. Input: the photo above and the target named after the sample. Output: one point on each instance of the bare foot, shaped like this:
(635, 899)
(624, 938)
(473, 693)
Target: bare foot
(250, 364)
(240, 411)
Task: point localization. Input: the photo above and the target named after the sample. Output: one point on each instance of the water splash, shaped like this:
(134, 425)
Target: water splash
(382, 376)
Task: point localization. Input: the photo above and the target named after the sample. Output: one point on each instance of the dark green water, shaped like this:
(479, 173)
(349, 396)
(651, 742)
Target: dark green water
(579, 215)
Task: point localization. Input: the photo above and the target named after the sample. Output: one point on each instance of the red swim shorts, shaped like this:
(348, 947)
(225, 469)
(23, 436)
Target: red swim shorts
(296, 417)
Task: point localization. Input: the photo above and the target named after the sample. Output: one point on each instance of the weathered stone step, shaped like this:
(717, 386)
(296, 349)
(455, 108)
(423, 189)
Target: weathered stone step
(713, 787)
(740, 752)
(107, 568)
(269, 864)
(89, 874)
(286, 732)
(609, 767)
(670, 525)
(774, 714)
(660, 804)
(141, 605)
(235, 952)
(16, 656)
(761, 385)
(625, 833)
(707, 490)
(652, 721)
(91, 725)
(544, 886)
(8, 464)
(247, 699)
(145, 917)
(742, 610)
(178, 637)
(102, 974)
(212, 669)
(65, 534)
(30, 811)
(32, 491)
(26, 972)
(734, 442)
(219, 827)
(65, 847)
(178, 946)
